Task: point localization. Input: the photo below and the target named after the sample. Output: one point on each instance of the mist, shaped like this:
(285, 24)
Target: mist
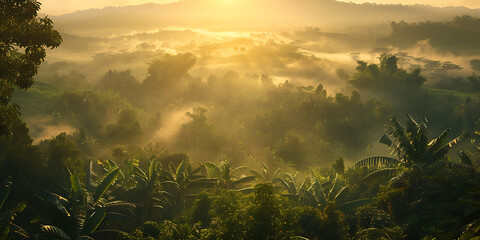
(192, 119)
(237, 68)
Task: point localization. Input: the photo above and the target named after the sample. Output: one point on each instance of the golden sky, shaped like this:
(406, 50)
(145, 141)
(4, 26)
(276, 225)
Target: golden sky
(58, 7)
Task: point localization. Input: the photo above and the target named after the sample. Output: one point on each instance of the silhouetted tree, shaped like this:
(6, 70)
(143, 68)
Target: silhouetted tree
(23, 37)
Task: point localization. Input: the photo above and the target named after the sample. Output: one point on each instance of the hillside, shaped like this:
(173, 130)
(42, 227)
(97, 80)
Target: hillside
(246, 15)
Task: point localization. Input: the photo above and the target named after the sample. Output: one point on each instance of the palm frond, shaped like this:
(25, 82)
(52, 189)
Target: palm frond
(106, 183)
(53, 199)
(198, 170)
(203, 183)
(336, 187)
(55, 231)
(243, 180)
(171, 183)
(213, 170)
(471, 232)
(353, 205)
(411, 126)
(118, 205)
(376, 161)
(420, 143)
(257, 175)
(402, 142)
(276, 173)
(19, 232)
(292, 197)
(381, 173)
(308, 198)
(140, 173)
(306, 183)
(464, 158)
(118, 217)
(94, 221)
(453, 165)
(76, 187)
(288, 186)
(436, 143)
(440, 154)
(78, 215)
(181, 168)
(246, 190)
(386, 140)
(238, 168)
(89, 175)
(317, 190)
(341, 192)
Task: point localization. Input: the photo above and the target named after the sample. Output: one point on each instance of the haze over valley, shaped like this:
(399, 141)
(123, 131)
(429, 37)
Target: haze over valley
(240, 119)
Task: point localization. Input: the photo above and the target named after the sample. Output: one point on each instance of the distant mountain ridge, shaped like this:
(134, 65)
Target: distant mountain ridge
(247, 15)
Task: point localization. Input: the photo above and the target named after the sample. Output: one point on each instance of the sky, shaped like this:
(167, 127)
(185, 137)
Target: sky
(59, 7)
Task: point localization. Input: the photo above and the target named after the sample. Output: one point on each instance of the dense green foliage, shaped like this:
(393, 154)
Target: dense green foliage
(458, 36)
(23, 39)
(252, 159)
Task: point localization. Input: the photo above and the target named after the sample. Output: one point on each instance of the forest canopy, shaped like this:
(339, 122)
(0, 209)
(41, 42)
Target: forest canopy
(293, 133)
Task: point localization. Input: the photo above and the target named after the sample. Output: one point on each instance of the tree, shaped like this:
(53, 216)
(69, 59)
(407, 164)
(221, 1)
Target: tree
(388, 63)
(184, 182)
(292, 149)
(386, 78)
(127, 129)
(167, 71)
(198, 134)
(424, 185)
(19, 158)
(339, 166)
(122, 82)
(475, 65)
(23, 39)
(317, 193)
(148, 188)
(223, 172)
(7, 216)
(63, 154)
(413, 149)
(84, 211)
(446, 67)
(264, 213)
(266, 175)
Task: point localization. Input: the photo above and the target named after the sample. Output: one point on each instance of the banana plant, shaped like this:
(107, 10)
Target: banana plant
(148, 189)
(126, 177)
(83, 211)
(289, 183)
(413, 150)
(266, 175)
(470, 224)
(317, 193)
(184, 182)
(7, 227)
(223, 173)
